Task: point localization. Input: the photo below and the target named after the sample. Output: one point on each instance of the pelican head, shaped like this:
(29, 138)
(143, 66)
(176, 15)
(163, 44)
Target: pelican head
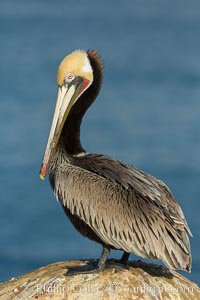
(75, 75)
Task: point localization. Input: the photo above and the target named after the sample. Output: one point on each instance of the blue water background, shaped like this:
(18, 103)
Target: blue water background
(148, 112)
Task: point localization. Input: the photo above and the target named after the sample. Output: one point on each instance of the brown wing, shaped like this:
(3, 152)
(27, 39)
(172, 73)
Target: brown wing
(133, 179)
(128, 209)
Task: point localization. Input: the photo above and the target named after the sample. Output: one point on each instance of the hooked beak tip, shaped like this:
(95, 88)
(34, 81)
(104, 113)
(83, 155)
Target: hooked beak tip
(43, 172)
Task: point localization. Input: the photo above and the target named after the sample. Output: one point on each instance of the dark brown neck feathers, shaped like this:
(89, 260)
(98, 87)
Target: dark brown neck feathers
(70, 136)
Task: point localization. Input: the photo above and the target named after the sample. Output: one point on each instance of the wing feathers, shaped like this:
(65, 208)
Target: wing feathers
(126, 208)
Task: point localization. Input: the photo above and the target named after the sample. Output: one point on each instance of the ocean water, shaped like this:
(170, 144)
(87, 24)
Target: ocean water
(147, 114)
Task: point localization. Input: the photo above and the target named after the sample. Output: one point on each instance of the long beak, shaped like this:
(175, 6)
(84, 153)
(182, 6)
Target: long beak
(67, 96)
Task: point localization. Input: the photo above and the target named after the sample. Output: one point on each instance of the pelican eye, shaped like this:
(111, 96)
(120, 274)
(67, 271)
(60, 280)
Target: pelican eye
(69, 77)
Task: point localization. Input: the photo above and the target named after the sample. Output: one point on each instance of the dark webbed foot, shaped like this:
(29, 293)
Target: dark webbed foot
(152, 269)
(90, 268)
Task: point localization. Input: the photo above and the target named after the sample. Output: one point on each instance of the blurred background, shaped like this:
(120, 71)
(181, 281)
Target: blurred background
(148, 112)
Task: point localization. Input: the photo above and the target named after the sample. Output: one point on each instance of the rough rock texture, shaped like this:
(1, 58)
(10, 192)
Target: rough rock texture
(114, 283)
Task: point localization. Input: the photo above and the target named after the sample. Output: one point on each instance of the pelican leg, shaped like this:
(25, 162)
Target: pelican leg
(102, 261)
(119, 264)
(124, 258)
(91, 267)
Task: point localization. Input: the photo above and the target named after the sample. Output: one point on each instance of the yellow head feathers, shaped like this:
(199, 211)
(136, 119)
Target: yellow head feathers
(77, 63)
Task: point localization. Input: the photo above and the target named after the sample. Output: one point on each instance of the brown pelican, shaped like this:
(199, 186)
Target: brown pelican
(108, 201)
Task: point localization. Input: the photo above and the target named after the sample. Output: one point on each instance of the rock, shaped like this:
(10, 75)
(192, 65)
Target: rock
(136, 282)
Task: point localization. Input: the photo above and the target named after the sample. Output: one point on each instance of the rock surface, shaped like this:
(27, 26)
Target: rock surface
(136, 282)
